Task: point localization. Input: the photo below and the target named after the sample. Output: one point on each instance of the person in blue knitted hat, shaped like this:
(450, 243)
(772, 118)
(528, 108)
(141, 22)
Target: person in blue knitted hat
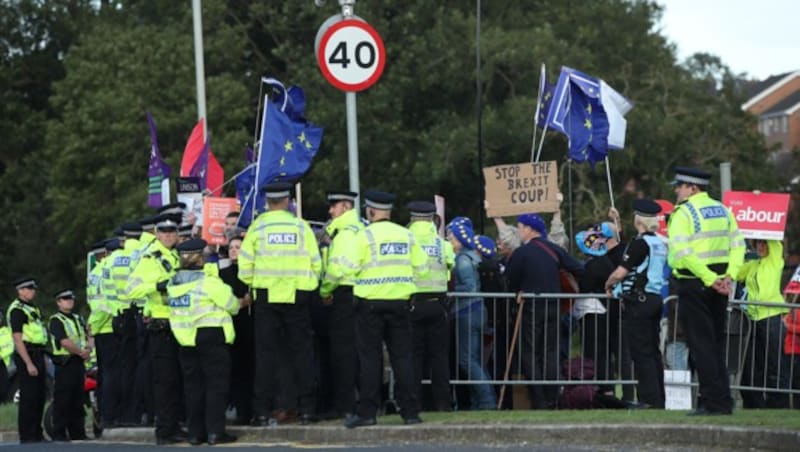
(485, 246)
(470, 315)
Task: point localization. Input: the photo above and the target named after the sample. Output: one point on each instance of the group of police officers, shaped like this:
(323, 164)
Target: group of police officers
(152, 283)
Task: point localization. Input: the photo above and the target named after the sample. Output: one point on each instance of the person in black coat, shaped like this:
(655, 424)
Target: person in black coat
(242, 350)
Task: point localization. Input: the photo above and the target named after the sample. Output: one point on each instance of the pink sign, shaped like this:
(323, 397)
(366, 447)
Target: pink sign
(759, 215)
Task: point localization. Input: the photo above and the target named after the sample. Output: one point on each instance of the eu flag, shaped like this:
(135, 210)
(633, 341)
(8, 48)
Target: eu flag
(544, 102)
(590, 113)
(287, 146)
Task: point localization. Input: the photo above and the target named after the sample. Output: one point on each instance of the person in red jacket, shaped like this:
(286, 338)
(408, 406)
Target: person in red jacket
(791, 348)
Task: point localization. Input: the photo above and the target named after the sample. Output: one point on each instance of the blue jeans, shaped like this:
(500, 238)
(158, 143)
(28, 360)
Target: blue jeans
(470, 325)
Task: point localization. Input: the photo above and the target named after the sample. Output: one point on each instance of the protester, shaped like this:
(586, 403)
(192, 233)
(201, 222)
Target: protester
(791, 350)
(534, 268)
(765, 365)
(242, 349)
(470, 316)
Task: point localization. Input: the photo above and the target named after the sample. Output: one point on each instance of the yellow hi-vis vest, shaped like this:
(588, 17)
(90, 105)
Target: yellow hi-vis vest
(159, 264)
(762, 277)
(6, 342)
(203, 301)
(388, 262)
(33, 331)
(342, 231)
(441, 257)
(120, 272)
(280, 254)
(103, 305)
(703, 232)
(75, 333)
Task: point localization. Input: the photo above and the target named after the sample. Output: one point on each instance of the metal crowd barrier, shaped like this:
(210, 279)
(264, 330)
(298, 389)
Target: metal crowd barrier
(761, 374)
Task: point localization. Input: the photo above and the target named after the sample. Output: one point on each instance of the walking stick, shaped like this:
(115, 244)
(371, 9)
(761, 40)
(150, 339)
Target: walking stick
(520, 302)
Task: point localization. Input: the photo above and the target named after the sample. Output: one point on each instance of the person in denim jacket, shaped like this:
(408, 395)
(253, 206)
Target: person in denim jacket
(470, 314)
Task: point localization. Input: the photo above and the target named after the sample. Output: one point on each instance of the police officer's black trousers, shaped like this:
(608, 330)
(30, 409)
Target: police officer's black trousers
(68, 397)
(431, 344)
(3, 380)
(284, 326)
(206, 373)
(343, 357)
(242, 368)
(125, 330)
(702, 313)
(166, 381)
(387, 321)
(641, 326)
(108, 377)
(540, 349)
(32, 393)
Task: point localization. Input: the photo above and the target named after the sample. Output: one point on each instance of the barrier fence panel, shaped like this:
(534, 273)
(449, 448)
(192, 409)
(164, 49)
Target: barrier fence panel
(553, 343)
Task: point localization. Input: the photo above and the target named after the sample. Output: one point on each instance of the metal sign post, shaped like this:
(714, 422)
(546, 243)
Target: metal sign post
(351, 56)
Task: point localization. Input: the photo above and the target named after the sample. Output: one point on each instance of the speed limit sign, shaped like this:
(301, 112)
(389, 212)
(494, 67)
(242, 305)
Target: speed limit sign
(351, 55)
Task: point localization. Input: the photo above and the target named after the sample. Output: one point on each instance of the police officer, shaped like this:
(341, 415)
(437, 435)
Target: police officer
(638, 281)
(280, 260)
(200, 307)
(148, 281)
(337, 291)
(184, 233)
(70, 350)
(706, 250)
(6, 350)
(30, 338)
(126, 324)
(429, 317)
(386, 261)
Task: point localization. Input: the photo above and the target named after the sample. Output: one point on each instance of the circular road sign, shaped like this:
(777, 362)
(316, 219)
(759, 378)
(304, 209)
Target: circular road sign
(351, 55)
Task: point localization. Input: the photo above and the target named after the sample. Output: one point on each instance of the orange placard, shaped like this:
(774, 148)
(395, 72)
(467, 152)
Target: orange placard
(214, 212)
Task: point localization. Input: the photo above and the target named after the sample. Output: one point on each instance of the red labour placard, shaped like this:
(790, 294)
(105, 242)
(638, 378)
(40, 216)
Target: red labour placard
(759, 215)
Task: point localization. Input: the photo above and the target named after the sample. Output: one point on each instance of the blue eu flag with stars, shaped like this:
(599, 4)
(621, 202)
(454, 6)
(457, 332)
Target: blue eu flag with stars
(545, 101)
(287, 146)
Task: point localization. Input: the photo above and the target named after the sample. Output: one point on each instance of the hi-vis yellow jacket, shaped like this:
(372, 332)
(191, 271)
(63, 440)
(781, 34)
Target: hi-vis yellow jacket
(342, 231)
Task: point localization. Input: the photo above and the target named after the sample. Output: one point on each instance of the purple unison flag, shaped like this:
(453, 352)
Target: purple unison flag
(200, 167)
(157, 172)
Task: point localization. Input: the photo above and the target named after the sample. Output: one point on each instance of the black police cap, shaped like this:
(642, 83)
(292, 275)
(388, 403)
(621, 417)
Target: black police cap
(185, 230)
(278, 190)
(149, 222)
(686, 175)
(25, 282)
(175, 207)
(132, 229)
(64, 293)
(112, 244)
(192, 246)
(646, 207)
(335, 196)
(98, 246)
(421, 209)
(380, 200)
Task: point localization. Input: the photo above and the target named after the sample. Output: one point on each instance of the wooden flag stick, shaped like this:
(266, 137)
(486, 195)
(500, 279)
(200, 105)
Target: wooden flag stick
(509, 356)
(611, 195)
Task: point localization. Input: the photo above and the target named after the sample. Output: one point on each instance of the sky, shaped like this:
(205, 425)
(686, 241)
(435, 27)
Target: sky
(759, 37)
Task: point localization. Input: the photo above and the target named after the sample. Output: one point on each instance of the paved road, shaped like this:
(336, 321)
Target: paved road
(101, 446)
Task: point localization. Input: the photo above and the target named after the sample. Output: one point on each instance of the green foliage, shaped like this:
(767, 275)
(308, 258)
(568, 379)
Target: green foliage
(77, 77)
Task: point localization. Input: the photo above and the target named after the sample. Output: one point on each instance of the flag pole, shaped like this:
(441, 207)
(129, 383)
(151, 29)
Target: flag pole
(569, 187)
(258, 159)
(611, 195)
(235, 176)
(298, 194)
(536, 114)
(246, 200)
(541, 143)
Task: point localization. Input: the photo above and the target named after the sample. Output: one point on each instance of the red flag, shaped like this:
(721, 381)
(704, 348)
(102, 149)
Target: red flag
(193, 149)
(215, 175)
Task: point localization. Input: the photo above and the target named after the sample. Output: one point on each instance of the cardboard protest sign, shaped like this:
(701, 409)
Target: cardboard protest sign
(190, 194)
(521, 188)
(759, 215)
(214, 212)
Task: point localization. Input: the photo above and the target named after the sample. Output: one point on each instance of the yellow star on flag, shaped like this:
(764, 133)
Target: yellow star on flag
(288, 146)
(308, 145)
(588, 124)
(589, 109)
(302, 137)
(283, 161)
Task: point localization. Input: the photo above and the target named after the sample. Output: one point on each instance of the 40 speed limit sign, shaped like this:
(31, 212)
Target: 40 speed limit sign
(351, 55)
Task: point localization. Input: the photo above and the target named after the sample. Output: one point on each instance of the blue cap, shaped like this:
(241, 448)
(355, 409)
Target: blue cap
(593, 240)
(534, 222)
(685, 175)
(380, 200)
(486, 246)
(191, 246)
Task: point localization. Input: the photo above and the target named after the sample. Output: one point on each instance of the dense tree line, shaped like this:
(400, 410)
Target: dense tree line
(76, 77)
